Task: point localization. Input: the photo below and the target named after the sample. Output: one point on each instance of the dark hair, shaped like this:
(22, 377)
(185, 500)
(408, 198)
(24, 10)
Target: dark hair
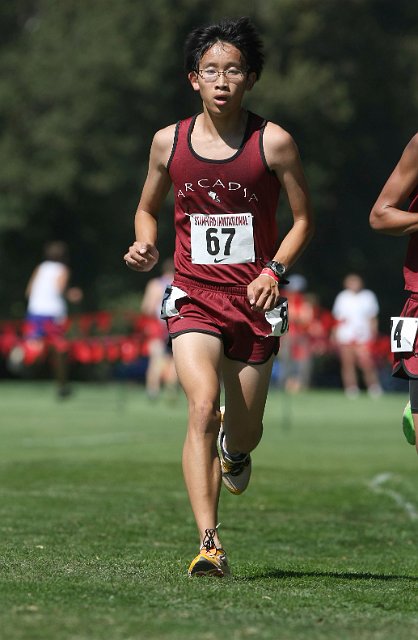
(56, 251)
(241, 33)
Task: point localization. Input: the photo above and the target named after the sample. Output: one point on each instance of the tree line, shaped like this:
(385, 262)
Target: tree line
(84, 86)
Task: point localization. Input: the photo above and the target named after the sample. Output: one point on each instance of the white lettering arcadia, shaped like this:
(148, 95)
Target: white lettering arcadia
(205, 183)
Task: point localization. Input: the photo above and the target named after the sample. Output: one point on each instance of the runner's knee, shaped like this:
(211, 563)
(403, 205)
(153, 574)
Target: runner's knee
(203, 416)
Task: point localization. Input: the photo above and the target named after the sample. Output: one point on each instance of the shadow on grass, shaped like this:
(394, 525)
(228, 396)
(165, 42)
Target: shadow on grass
(343, 575)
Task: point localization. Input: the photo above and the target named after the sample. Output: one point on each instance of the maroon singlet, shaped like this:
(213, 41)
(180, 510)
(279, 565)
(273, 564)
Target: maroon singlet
(410, 270)
(240, 184)
(405, 365)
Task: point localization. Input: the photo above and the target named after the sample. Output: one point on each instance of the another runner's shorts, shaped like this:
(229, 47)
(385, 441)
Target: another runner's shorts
(226, 313)
(405, 365)
(37, 326)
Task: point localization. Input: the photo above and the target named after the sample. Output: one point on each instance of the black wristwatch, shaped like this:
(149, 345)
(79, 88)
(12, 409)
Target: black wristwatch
(278, 268)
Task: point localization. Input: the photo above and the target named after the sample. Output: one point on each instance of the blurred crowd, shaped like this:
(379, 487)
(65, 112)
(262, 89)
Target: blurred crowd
(340, 346)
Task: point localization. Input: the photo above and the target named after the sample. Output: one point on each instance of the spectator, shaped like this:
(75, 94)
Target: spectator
(296, 351)
(356, 310)
(160, 370)
(47, 292)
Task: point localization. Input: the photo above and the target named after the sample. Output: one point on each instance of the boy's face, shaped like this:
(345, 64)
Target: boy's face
(222, 93)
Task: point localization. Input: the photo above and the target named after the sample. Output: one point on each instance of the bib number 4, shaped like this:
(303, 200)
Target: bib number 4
(402, 334)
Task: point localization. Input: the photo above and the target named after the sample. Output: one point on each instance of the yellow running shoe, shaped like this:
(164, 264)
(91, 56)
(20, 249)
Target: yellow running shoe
(408, 424)
(210, 561)
(235, 473)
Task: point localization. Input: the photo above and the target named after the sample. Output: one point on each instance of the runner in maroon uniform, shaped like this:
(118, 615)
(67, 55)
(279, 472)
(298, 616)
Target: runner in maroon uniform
(227, 167)
(225, 216)
(387, 217)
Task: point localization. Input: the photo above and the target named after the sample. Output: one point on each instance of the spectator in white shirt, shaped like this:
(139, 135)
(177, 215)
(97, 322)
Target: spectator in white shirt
(356, 311)
(47, 292)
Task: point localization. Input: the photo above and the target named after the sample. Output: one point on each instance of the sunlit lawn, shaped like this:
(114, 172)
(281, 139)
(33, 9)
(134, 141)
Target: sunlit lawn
(97, 533)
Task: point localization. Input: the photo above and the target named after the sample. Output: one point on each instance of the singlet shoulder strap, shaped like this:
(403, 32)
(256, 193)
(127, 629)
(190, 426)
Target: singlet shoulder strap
(181, 133)
(173, 148)
(257, 123)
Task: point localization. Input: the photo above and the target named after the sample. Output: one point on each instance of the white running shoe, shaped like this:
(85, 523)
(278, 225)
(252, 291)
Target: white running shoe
(235, 473)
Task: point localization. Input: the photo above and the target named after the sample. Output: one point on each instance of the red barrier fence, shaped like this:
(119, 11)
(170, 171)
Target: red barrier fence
(106, 336)
(88, 339)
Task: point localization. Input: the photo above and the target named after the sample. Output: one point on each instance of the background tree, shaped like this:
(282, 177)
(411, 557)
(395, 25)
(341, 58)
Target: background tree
(84, 85)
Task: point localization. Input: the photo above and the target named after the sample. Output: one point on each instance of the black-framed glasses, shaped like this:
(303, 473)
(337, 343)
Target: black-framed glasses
(233, 74)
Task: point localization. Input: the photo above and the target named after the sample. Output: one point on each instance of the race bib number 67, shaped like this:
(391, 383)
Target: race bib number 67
(402, 334)
(222, 238)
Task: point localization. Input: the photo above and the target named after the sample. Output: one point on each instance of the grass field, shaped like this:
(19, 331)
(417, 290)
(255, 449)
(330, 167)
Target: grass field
(97, 534)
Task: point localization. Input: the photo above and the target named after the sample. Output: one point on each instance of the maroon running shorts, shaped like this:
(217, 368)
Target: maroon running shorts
(224, 312)
(405, 365)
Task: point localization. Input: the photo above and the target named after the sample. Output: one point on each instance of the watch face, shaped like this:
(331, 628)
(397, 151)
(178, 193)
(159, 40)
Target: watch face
(278, 268)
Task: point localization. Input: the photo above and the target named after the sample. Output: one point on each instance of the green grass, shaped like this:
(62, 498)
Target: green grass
(97, 533)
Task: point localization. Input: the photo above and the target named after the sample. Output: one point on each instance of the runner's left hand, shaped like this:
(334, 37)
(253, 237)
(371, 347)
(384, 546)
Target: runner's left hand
(263, 293)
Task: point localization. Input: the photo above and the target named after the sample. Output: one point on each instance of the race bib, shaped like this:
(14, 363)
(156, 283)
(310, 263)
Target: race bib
(402, 334)
(222, 238)
(278, 318)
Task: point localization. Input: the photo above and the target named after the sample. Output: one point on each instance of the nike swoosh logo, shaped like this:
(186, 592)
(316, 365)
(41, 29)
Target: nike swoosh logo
(218, 261)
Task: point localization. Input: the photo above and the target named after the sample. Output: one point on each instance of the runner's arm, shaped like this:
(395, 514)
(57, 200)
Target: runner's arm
(143, 253)
(386, 215)
(283, 158)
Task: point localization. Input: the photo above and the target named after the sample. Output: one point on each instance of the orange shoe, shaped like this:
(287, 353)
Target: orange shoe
(211, 560)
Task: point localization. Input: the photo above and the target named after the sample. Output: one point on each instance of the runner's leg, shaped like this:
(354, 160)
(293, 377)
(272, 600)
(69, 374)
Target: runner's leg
(413, 396)
(198, 358)
(246, 388)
